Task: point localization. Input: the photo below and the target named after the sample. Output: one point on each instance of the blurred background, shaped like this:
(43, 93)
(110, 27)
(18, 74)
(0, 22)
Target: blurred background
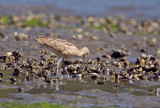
(141, 9)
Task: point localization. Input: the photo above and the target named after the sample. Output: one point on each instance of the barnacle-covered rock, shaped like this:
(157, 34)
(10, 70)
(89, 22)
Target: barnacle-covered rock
(119, 53)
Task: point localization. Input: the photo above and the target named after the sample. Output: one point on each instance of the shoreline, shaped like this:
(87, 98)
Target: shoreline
(128, 11)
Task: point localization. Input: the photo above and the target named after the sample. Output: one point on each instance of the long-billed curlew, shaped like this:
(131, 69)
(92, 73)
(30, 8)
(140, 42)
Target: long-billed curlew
(62, 48)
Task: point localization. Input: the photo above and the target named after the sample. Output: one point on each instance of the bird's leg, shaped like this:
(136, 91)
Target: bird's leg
(83, 63)
(83, 59)
(58, 63)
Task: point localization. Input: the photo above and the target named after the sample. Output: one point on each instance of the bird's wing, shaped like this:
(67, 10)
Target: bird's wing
(72, 52)
(59, 45)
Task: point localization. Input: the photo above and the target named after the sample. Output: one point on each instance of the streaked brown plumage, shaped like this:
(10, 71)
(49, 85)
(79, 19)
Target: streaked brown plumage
(62, 48)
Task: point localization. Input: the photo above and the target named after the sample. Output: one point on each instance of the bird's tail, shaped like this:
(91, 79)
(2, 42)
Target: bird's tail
(40, 39)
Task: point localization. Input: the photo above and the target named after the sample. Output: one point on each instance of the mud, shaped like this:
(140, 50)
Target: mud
(92, 97)
(77, 92)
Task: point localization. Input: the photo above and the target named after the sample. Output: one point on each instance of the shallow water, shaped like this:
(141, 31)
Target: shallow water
(70, 85)
(85, 94)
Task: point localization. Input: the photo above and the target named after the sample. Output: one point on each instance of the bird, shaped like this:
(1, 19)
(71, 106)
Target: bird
(62, 48)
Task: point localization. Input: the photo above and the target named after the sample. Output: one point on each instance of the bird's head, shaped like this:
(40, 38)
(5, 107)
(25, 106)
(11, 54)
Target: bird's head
(85, 51)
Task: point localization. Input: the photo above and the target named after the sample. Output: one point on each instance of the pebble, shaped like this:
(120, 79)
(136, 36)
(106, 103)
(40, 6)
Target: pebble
(94, 37)
(94, 76)
(12, 79)
(119, 53)
(20, 36)
(79, 36)
(1, 74)
(158, 51)
(152, 41)
(1, 35)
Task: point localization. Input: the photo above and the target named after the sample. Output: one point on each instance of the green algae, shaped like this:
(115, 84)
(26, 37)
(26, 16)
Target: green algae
(34, 22)
(30, 105)
(4, 20)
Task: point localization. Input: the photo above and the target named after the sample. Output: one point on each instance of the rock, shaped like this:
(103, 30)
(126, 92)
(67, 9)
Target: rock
(119, 53)
(158, 51)
(94, 37)
(111, 34)
(17, 71)
(94, 76)
(79, 30)
(20, 36)
(79, 36)
(143, 50)
(152, 41)
(142, 62)
(24, 88)
(12, 79)
(1, 35)
(107, 56)
(1, 74)
(17, 55)
(90, 19)
(8, 54)
(87, 34)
